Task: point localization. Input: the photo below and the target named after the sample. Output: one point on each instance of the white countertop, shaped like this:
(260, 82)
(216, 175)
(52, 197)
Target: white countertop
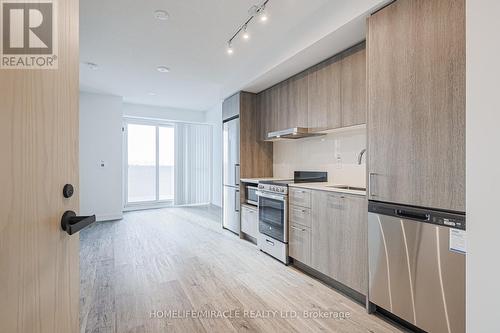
(327, 187)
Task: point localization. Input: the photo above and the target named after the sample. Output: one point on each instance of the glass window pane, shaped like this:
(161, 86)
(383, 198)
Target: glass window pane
(141, 163)
(166, 160)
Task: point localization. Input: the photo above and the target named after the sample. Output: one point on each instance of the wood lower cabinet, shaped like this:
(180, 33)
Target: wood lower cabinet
(416, 103)
(339, 238)
(300, 197)
(250, 221)
(299, 243)
(353, 87)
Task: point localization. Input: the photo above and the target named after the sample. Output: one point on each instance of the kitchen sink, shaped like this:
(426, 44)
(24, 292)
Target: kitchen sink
(346, 187)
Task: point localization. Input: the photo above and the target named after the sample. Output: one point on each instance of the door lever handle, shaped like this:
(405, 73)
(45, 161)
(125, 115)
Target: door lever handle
(72, 223)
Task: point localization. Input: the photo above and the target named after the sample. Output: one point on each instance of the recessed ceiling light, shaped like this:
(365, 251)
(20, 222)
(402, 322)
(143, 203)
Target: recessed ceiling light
(91, 65)
(163, 69)
(161, 15)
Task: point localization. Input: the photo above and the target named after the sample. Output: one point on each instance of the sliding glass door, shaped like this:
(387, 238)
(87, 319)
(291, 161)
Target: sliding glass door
(149, 169)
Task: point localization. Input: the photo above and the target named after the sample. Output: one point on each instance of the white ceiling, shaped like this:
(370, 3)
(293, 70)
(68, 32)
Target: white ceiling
(128, 43)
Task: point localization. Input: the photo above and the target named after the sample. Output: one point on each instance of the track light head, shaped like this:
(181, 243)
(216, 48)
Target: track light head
(245, 34)
(229, 48)
(263, 14)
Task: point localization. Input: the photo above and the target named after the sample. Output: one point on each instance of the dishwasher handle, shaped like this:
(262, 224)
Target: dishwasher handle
(412, 215)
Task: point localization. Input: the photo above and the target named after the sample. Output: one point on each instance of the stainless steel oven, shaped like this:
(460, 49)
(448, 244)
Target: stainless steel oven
(273, 215)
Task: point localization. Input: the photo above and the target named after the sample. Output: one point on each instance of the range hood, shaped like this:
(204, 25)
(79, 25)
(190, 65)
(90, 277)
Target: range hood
(292, 133)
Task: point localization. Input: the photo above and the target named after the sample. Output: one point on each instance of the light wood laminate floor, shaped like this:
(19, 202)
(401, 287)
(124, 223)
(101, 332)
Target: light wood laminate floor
(135, 273)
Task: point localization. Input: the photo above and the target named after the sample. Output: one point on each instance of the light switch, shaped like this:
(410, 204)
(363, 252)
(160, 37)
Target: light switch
(102, 164)
(338, 159)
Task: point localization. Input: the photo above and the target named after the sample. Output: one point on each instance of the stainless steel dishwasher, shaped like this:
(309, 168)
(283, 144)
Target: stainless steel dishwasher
(417, 265)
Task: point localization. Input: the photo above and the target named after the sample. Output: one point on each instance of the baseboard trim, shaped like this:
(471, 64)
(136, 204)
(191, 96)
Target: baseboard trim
(108, 217)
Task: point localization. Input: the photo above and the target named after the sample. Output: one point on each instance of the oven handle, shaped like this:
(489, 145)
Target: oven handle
(271, 196)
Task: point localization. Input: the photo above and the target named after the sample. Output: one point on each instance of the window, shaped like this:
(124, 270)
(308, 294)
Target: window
(150, 151)
(166, 163)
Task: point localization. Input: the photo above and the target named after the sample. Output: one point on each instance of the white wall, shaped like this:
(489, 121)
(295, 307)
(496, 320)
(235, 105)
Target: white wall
(145, 111)
(101, 140)
(214, 117)
(320, 154)
(483, 159)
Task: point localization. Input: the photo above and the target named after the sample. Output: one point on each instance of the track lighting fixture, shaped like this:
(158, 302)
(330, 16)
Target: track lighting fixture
(254, 11)
(262, 14)
(245, 34)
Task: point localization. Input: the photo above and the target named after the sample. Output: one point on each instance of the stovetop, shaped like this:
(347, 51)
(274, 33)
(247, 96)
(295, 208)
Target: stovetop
(281, 186)
(281, 182)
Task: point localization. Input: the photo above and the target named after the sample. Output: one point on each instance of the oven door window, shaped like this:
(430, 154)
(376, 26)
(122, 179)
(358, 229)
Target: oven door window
(272, 218)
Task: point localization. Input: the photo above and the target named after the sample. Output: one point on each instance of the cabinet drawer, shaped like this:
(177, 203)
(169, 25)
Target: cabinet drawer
(300, 215)
(299, 243)
(300, 197)
(249, 221)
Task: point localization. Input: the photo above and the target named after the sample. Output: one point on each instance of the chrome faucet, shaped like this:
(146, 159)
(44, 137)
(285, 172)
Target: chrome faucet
(360, 156)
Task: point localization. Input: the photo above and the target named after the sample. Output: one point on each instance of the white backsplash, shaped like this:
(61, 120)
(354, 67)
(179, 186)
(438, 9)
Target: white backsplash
(320, 154)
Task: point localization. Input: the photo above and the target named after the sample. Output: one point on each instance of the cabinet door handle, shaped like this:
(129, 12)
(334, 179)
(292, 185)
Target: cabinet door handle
(268, 241)
(370, 184)
(237, 201)
(237, 174)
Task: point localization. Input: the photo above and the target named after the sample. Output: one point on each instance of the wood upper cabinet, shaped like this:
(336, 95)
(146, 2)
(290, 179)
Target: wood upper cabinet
(231, 106)
(416, 103)
(339, 238)
(256, 157)
(267, 116)
(353, 87)
(297, 102)
(329, 95)
(324, 95)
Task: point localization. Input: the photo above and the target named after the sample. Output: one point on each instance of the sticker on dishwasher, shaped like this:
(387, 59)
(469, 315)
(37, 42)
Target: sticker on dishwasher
(458, 241)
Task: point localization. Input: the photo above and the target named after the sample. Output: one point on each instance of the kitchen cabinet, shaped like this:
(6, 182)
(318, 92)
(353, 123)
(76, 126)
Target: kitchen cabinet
(299, 243)
(297, 101)
(300, 197)
(324, 95)
(249, 221)
(299, 215)
(299, 240)
(231, 106)
(339, 238)
(353, 86)
(329, 95)
(416, 104)
(266, 108)
(256, 157)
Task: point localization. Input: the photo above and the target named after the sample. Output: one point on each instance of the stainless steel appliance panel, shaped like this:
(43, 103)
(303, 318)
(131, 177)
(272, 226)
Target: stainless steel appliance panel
(231, 209)
(251, 194)
(273, 216)
(412, 271)
(231, 152)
